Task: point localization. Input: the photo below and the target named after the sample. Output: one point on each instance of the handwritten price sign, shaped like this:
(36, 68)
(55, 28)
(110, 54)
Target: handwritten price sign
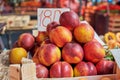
(47, 15)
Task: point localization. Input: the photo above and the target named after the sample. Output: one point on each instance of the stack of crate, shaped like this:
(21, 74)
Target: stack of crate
(114, 23)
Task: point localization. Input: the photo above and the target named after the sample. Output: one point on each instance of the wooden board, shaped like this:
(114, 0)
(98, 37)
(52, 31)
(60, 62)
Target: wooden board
(114, 29)
(31, 25)
(97, 77)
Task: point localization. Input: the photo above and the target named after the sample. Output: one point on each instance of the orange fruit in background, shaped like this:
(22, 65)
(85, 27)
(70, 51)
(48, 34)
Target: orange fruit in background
(105, 78)
(16, 55)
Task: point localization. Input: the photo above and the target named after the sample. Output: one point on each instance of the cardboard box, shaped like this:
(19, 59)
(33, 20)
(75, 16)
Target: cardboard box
(118, 74)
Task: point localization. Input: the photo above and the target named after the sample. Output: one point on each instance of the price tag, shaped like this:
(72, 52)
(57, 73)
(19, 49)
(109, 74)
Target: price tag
(116, 54)
(47, 15)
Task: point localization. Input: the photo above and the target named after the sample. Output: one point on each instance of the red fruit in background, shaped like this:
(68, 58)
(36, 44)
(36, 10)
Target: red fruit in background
(85, 69)
(93, 51)
(105, 67)
(72, 4)
(49, 54)
(60, 36)
(41, 71)
(26, 40)
(42, 35)
(83, 33)
(15, 44)
(51, 26)
(69, 19)
(61, 69)
(72, 53)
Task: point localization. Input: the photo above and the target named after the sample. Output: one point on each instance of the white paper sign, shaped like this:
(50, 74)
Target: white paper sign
(47, 15)
(116, 54)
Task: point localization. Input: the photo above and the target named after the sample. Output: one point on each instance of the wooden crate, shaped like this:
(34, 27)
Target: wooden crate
(30, 74)
(114, 23)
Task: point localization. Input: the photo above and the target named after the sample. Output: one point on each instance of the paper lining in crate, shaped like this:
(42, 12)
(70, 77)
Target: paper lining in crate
(114, 23)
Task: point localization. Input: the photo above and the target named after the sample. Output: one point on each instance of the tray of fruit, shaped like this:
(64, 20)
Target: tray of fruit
(67, 50)
(111, 39)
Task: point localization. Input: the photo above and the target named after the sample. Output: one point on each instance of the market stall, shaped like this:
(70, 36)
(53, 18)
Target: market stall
(67, 44)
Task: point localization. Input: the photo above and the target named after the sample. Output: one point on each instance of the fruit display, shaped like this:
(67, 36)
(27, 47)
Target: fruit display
(109, 36)
(66, 49)
(112, 39)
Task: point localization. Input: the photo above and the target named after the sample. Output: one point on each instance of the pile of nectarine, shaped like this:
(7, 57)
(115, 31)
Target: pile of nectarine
(67, 49)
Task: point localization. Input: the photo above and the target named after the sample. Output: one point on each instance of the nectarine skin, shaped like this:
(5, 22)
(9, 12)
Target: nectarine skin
(84, 69)
(41, 71)
(60, 36)
(42, 35)
(51, 26)
(105, 67)
(94, 51)
(61, 69)
(69, 19)
(55, 70)
(67, 70)
(72, 53)
(81, 69)
(26, 40)
(49, 54)
(83, 33)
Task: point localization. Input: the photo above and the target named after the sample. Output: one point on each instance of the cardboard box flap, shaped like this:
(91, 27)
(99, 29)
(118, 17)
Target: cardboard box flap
(116, 55)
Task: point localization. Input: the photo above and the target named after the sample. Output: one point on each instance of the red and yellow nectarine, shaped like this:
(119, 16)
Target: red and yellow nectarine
(49, 54)
(60, 36)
